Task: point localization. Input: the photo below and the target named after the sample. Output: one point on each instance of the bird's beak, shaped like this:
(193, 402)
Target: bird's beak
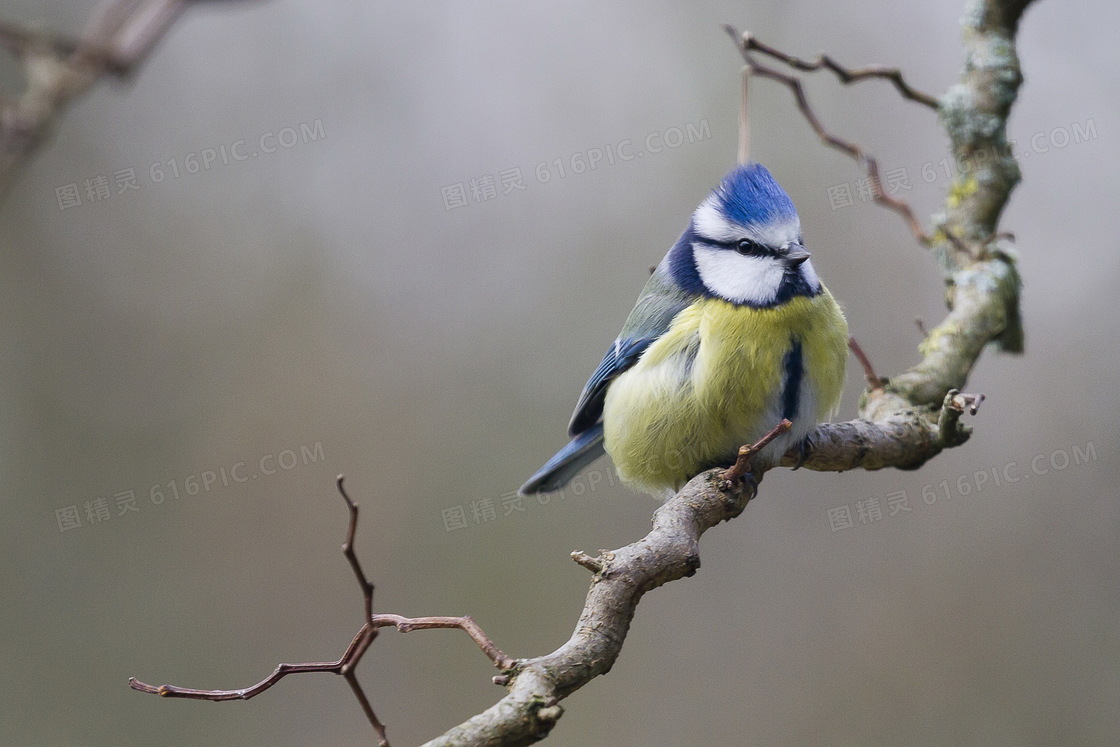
(795, 255)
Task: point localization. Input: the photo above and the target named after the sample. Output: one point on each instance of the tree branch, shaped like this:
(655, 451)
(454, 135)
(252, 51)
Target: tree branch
(904, 420)
(119, 36)
(974, 114)
(670, 551)
(346, 663)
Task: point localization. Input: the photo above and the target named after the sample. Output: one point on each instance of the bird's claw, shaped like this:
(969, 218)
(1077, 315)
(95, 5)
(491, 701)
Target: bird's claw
(804, 451)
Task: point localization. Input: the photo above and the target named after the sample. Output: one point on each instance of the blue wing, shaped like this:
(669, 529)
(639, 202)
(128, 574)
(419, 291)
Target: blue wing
(623, 354)
(661, 300)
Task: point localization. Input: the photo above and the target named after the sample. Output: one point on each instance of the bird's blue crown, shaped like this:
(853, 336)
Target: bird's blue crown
(750, 196)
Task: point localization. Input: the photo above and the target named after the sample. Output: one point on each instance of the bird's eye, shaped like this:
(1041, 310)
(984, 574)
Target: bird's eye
(748, 247)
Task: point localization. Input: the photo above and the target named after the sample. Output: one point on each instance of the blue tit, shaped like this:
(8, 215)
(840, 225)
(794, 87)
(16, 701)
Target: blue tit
(733, 332)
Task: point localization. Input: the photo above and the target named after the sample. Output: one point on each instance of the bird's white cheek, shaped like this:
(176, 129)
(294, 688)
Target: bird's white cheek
(740, 279)
(810, 274)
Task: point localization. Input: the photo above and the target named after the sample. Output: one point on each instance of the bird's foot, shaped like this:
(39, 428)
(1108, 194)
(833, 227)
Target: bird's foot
(804, 451)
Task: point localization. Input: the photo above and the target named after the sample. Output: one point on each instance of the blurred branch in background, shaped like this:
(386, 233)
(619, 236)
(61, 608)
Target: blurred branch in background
(118, 37)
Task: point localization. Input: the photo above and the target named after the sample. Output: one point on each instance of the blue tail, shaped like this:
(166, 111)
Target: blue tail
(582, 451)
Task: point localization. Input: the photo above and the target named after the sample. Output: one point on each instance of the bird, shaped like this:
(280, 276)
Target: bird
(733, 332)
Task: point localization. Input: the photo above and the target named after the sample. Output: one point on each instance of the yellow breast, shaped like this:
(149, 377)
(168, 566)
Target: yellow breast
(715, 381)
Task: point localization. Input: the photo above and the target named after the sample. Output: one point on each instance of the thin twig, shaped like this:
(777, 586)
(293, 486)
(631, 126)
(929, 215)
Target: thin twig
(367, 709)
(963, 401)
(345, 664)
(745, 118)
(245, 693)
(868, 162)
(465, 623)
(743, 462)
(348, 549)
(950, 431)
(595, 565)
(873, 380)
(846, 75)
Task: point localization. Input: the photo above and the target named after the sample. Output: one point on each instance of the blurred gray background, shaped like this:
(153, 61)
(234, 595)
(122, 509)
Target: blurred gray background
(339, 305)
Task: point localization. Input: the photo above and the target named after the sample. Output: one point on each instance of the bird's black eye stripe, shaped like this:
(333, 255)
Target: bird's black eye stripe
(752, 248)
(746, 247)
